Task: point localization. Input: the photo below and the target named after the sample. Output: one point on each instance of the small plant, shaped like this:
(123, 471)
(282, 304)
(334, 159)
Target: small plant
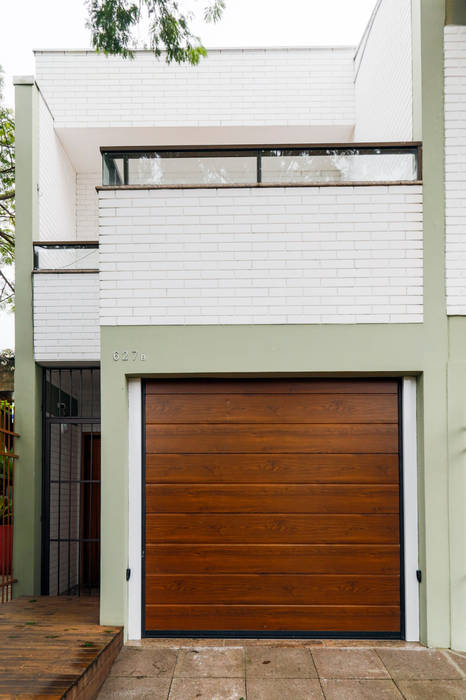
(6, 509)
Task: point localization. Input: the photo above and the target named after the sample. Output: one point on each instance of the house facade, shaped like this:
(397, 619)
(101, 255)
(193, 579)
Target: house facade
(240, 335)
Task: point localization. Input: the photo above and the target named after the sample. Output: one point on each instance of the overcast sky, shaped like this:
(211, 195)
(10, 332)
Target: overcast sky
(29, 24)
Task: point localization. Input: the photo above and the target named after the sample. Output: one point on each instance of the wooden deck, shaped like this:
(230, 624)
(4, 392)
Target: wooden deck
(54, 648)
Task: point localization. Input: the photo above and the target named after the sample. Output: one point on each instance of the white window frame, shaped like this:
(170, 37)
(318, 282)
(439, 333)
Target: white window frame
(134, 508)
(410, 509)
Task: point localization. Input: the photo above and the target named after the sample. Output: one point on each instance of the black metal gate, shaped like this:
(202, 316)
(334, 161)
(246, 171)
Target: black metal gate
(71, 481)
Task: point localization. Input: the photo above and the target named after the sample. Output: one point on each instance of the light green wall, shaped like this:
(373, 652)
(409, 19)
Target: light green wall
(309, 350)
(27, 501)
(457, 477)
(397, 349)
(258, 350)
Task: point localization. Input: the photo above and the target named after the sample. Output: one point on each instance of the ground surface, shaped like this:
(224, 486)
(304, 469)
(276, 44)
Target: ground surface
(284, 670)
(50, 647)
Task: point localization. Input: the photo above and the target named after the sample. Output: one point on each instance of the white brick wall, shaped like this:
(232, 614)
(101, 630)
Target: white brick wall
(455, 168)
(66, 326)
(384, 76)
(57, 183)
(278, 255)
(87, 216)
(230, 87)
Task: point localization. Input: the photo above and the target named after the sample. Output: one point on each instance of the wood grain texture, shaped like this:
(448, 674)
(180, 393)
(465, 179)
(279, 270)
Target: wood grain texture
(277, 618)
(54, 647)
(314, 438)
(272, 589)
(272, 505)
(272, 529)
(272, 408)
(275, 498)
(272, 468)
(273, 559)
(268, 386)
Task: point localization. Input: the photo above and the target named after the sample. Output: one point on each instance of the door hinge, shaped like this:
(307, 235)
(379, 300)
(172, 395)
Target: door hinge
(419, 575)
(128, 574)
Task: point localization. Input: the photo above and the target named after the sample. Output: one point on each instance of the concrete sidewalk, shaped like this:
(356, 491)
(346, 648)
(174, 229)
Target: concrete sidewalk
(284, 670)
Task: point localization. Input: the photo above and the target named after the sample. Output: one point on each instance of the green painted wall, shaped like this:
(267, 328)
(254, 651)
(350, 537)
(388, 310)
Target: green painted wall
(433, 350)
(421, 349)
(27, 501)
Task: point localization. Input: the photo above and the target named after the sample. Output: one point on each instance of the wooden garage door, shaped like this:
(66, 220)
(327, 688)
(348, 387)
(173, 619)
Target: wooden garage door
(272, 506)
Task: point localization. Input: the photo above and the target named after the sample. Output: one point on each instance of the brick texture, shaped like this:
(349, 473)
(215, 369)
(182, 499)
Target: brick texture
(87, 219)
(66, 314)
(57, 183)
(230, 87)
(455, 168)
(278, 255)
(383, 84)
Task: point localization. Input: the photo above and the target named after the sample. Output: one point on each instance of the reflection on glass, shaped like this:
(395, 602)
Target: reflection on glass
(285, 166)
(61, 257)
(279, 166)
(174, 169)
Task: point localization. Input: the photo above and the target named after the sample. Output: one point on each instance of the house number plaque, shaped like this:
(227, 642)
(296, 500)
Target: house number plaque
(128, 355)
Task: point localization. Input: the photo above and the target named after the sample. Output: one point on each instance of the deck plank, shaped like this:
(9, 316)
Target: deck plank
(54, 647)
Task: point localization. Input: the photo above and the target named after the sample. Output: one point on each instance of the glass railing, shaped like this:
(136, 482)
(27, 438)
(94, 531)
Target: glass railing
(66, 256)
(261, 166)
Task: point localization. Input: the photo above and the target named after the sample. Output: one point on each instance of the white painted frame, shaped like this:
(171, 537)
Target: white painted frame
(410, 508)
(134, 508)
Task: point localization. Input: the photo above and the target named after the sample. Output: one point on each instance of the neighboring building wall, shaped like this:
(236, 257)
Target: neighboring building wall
(87, 210)
(57, 183)
(278, 255)
(383, 83)
(230, 87)
(455, 168)
(66, 317)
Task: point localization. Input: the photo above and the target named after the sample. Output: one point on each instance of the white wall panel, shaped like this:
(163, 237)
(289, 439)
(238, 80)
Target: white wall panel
(230, 87)
(383, 83)
(57, 183)
(278, 255)
(455, 168)
(66, 326)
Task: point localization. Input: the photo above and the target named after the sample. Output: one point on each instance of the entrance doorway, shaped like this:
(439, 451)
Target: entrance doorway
(71, 482)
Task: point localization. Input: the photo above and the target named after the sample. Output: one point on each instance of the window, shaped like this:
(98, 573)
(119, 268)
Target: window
(66, 256)
(263, 166)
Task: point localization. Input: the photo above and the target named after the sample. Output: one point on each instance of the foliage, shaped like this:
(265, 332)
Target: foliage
(112, 22)
(7, 200)
(7, 362)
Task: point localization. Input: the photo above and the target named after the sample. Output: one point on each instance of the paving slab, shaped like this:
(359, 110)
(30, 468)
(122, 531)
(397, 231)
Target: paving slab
(207, 689)
(433, 690)
(274, 662)
(210, 663)
(138, 661)
(283, 689)
(344, 689)
(422, 664)
(135, 688)
(349, 663)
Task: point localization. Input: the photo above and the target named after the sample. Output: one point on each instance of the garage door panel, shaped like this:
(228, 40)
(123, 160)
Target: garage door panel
(273, 408)
(265, 498)
(272, 506)
(274, 618)
(272, 468)
(274, 386)
(343, 438)
(273, 559)
(285, 529)
(296, 589)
